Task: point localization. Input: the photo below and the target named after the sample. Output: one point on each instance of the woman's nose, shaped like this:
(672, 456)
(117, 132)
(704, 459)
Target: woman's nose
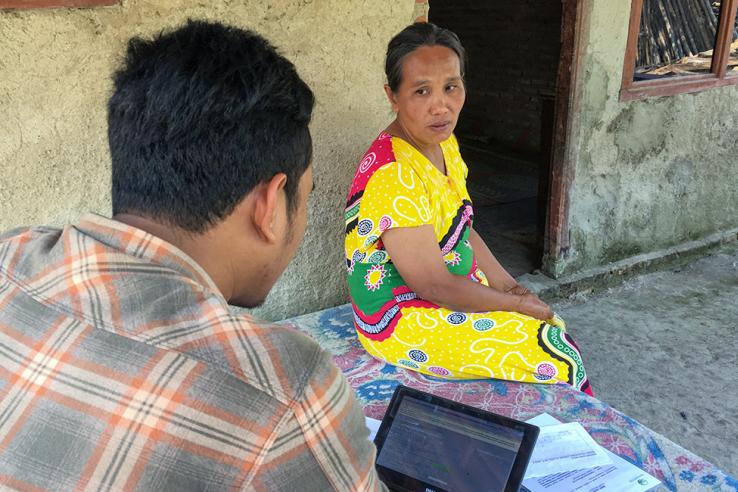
(438, 105)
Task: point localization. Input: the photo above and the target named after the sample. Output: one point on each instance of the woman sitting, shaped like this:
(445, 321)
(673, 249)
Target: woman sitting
(427, 293)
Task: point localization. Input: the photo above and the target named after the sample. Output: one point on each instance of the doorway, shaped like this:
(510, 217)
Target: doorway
(507, 130)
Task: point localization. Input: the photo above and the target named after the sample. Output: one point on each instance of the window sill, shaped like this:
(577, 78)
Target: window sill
(681, 85)
(47, 4)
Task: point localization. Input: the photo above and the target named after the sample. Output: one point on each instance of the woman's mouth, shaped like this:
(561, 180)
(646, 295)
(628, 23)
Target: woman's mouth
(441, 126)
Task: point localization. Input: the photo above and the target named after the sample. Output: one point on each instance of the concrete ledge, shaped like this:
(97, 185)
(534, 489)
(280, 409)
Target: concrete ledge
(600, 278)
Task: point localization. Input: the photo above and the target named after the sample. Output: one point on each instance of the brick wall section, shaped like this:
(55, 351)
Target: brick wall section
(420, 14)
(513, 49)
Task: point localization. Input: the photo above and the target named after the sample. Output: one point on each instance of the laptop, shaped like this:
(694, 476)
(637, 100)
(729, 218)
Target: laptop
(432, 444)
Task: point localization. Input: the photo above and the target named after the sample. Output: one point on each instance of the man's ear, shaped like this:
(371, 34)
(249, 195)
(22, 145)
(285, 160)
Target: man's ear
(268, 202)
(391, 97)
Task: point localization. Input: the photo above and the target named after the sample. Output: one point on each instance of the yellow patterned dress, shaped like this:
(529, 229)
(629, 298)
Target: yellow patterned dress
(396, 186)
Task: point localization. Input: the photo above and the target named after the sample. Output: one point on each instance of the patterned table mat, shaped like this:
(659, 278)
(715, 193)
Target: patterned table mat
(375, 381)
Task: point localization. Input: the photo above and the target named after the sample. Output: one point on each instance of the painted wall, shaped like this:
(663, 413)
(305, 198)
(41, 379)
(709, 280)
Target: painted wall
(55, 68)
(651, 173)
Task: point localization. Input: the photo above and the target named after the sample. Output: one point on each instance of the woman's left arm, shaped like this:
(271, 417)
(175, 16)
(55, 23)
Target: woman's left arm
(495, 273)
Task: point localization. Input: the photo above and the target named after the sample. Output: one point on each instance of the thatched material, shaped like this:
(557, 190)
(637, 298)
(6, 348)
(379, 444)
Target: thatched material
(674, 29)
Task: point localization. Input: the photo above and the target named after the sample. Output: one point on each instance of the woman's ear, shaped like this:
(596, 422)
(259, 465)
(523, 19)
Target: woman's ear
(391, 97)
(270, 201)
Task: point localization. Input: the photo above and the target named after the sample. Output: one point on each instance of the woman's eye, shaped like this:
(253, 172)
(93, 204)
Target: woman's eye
(451, 87)
(421, 92)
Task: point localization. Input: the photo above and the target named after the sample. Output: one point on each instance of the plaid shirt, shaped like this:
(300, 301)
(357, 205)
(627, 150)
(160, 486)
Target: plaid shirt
(122, 367)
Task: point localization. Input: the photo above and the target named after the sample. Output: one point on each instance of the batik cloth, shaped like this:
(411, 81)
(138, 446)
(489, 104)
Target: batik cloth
(122, 367)
(396, 186)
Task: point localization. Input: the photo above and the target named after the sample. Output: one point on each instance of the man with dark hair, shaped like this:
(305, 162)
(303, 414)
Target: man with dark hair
(121, 364)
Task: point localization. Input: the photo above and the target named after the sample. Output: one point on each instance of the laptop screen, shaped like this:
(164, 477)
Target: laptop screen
(449, 449)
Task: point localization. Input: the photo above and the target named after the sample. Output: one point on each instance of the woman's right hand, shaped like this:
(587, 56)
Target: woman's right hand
(529, 304)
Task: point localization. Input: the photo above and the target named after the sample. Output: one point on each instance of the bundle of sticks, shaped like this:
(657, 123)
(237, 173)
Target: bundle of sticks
(672, 30)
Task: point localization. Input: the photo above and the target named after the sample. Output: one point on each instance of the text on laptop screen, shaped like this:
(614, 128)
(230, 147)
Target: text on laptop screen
(449, 449)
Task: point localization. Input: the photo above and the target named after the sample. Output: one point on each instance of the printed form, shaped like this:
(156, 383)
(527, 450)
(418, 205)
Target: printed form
(373, 425)
(563, 448)
(618, 476)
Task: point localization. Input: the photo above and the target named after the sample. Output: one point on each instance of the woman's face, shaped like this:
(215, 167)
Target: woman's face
(430, 96)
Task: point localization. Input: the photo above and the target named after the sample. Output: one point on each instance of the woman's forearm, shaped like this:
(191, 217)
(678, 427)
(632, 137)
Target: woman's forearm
(417, 257)
(461, 294)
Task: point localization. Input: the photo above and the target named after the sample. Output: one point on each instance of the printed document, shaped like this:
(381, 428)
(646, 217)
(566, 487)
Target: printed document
(563, 448)
(373, 425)
(618, 476)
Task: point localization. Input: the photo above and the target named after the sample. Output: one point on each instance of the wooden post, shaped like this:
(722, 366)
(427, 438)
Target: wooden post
(574, 21)
(724, 36)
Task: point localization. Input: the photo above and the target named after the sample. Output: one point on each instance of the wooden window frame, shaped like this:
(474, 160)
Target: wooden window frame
(47, 4)
(717, 77)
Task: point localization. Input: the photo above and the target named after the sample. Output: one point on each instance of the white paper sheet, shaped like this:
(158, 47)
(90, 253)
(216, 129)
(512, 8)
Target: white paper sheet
(562, 448)
(373, 425)
(616, 477)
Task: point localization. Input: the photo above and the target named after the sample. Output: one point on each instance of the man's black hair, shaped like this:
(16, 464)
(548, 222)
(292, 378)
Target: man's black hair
(413, 37)
(199, 116)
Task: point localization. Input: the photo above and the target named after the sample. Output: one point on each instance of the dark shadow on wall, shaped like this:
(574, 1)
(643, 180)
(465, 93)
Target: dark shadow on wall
(506, 127)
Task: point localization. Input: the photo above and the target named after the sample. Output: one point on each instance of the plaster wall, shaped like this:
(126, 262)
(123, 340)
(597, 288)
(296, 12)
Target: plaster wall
(649, 174)
(55, 68)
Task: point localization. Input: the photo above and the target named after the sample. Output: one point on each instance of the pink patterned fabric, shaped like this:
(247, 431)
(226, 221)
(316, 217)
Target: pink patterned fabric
(375, 381)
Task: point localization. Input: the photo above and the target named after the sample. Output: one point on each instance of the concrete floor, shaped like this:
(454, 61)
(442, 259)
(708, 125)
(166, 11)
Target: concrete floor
(662, 348)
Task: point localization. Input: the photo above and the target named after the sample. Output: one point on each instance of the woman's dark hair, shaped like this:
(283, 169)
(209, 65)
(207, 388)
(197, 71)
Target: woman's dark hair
(198, 117)
(413, 37)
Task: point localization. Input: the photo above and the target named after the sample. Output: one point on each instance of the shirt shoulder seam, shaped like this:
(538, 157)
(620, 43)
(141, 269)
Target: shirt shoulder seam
(111, 329)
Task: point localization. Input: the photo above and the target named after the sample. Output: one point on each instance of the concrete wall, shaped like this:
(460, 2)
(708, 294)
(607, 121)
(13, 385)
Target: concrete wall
(55, 68)
(652, 173)
(513, 50)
